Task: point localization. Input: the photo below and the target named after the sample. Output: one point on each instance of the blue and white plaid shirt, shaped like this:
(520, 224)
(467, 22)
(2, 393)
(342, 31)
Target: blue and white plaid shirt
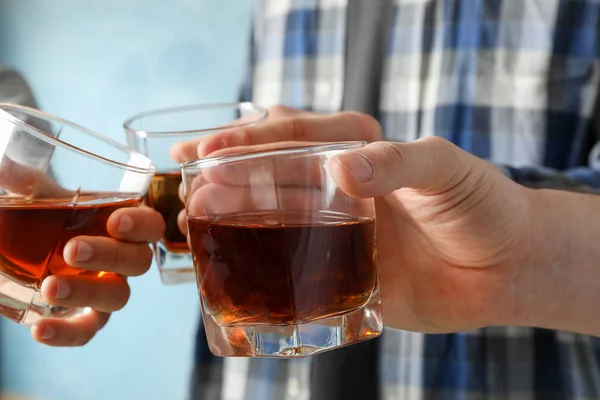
(512, 81)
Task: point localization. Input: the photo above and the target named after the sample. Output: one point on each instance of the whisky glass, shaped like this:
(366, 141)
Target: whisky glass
(153, 133)
(286, 263)
(58, 180)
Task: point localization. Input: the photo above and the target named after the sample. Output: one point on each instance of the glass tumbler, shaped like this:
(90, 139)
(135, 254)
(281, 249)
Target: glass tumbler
(58, 180)
(286, 263)
(153, 133)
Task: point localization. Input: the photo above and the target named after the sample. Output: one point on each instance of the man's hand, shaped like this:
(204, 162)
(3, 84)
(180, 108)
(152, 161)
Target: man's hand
(284, 125)
(454, 234)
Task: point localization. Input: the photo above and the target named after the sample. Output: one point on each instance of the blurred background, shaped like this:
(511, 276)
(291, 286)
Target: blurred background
(97, 63)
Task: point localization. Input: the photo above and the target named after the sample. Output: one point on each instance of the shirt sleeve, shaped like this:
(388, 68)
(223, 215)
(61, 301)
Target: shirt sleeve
(24, 149)
(14, 89)
(580, 179)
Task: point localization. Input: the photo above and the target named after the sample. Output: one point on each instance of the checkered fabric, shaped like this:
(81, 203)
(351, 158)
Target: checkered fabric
(512, 81)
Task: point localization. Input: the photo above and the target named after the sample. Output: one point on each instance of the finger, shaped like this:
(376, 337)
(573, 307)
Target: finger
(266, 170)
(99, 253)
(188, 150)
(431, 165)
(262, 148)
(185, 151)
(279, 111)
(107, 294)
(182, 222)
(75, 331)
(346, 126)
(136, 224)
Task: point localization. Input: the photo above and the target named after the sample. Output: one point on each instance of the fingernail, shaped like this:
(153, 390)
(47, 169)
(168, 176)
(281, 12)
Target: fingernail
(63, 290)
(48, 333)
(357, 165)
(125, 224)
(85, 251)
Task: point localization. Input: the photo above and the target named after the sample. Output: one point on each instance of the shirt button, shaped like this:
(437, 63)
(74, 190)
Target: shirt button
(293, 388)
(324, 89)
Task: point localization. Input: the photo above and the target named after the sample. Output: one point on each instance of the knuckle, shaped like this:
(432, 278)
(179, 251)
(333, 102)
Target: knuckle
(293, 130)
(89, 294)
(122, 296)
(280, 110)
(369, 128)
(392, 155)
(200, 149)
(116, 257)
(244, 137)
(443, 151)
(437, 142)
(84, 294)
(145, 258)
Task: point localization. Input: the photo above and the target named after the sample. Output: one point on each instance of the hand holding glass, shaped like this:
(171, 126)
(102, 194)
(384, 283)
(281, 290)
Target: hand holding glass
(58, 181)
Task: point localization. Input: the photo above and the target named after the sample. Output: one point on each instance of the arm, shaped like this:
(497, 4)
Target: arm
(567, 255)
(567, 242)
(460, 246)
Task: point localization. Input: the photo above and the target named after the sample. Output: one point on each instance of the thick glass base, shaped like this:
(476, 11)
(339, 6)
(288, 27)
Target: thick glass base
(174, 268)
(25, 305)
(295, 341)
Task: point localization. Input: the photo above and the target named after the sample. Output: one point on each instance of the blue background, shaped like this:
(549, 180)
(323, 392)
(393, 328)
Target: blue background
(97, 63)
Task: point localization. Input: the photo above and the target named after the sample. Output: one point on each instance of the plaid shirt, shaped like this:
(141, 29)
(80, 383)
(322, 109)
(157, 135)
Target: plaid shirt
(512, 81)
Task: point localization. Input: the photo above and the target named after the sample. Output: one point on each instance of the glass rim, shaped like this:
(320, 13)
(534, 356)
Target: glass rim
(314, 149)
(201, 106)
(61, 143)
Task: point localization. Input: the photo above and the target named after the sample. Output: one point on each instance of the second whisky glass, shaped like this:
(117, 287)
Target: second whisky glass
(152, 133)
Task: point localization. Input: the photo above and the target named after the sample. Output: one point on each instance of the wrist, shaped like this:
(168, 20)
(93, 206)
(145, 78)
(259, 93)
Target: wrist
(538, 289)
(559, 285)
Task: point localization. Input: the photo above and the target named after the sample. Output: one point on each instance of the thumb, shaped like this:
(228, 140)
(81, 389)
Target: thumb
(430, 165)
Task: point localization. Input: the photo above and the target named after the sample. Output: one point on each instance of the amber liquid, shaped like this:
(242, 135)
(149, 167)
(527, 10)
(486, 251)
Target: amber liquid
(253, 269)
(163, 196)
(33, 233)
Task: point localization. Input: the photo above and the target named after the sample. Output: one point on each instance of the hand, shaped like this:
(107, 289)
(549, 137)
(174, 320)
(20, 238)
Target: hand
(454, 234)
(125, 253)
(284, 125)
